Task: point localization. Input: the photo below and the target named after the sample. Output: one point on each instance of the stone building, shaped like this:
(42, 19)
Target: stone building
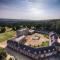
(22, 32)
(52, 38)
(35, 53)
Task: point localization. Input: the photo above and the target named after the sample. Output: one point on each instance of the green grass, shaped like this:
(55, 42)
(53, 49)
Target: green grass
(6, 35)
(46, 35)
(3, 54)
(45, 44)
(1, 50)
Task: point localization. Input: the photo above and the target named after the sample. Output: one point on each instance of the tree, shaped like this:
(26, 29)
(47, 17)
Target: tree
(2, 29)
(10, 58)
(3, 54)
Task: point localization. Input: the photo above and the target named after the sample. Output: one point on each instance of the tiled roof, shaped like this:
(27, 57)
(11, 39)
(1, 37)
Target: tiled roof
(37, 50)
(42, 31)
(20, 38)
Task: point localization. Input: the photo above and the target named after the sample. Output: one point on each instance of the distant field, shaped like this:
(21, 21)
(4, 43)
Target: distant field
(7, 35)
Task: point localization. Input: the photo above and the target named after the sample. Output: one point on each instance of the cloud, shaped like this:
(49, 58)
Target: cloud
(28, 3)
(30, 9)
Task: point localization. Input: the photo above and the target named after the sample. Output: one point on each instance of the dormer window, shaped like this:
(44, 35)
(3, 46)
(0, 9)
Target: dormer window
(28, 50)
(53, 49)
(44, 51)
(39, 52)
(35, 52)
(49, 50)
(24, 48)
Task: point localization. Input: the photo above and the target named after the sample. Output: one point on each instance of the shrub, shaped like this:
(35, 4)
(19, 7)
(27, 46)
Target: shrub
(10, 58)
(45, 43)
(3, 54)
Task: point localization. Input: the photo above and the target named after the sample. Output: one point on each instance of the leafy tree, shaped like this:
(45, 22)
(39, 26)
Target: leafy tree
(10, 58)
(3, 54)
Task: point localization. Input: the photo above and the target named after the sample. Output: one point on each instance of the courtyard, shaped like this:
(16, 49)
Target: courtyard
(37, 40)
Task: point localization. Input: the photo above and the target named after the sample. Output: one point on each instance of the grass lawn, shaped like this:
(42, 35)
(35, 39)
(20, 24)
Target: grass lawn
(45, 44)
(1, 49)
(7, 35)
(46, 35)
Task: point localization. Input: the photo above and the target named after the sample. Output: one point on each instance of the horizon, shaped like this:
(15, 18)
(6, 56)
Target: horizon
(9, 19)
(30, 9)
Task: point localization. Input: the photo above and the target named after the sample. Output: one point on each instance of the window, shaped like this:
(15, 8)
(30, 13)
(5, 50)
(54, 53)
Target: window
(35, 52)
(39, 52)
(24, 48)
(49, 50)
(53, 49)
(44, 51)
(28, 50)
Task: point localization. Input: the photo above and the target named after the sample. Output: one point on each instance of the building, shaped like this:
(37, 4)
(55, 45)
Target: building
(31, 31)
(52, 38)
(35, 53)
(20, 39)
(22, 32)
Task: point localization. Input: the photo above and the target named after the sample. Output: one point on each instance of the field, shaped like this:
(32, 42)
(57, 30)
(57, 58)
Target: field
(7, 35)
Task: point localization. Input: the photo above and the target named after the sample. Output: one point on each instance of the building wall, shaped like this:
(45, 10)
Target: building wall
(52, 38)
(47, 52)
(22, 32)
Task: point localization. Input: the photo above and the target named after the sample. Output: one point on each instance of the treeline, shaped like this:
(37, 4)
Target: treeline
(50, 25)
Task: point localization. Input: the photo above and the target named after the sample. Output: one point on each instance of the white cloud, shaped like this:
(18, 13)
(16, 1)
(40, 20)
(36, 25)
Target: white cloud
(31, 9)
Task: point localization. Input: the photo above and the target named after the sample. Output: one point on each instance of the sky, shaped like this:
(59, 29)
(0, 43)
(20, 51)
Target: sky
(30, 9)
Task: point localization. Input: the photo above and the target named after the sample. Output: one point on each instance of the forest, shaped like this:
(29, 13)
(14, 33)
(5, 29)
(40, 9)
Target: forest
(49, 25)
